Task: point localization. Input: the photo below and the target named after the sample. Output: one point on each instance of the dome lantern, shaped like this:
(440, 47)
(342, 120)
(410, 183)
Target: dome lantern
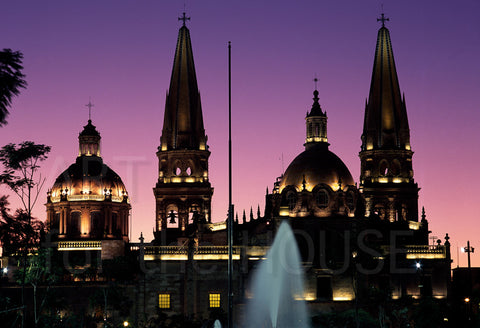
(89, 141)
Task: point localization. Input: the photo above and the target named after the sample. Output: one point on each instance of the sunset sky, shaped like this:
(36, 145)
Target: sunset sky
(120, 53)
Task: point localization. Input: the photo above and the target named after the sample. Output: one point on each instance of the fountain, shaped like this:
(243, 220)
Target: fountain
(277, 287)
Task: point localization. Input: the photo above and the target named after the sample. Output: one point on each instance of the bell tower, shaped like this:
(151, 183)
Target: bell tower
(386, 177)
(183, 191)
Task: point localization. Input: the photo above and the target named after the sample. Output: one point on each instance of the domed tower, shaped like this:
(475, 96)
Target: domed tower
(183, 191)
(317, 182)
(88, 201)
(386, 177)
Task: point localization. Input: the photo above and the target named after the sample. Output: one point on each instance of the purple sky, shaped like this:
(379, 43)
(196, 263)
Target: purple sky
(120, 53)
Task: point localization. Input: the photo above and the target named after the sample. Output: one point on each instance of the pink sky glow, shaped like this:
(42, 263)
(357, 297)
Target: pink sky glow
(120, 53)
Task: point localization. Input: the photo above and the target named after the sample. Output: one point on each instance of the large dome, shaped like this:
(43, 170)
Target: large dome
(88, 178)
(317, 165)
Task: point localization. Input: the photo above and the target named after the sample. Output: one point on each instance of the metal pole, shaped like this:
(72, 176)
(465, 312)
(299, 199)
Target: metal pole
(468, 253)
(230, 205)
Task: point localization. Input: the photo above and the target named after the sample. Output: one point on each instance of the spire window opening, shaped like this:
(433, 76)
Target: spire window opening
(188, 171)
(384, 170)
(178, 171)
(172, 216)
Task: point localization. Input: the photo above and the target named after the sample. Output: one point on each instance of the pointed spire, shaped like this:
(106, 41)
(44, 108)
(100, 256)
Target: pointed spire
(258, 211)
(251, 214)
(244, 217)
(386, 122)
(423, 214)
(183, 121)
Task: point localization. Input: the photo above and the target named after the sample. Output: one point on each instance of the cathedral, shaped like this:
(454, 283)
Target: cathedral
(353, 238)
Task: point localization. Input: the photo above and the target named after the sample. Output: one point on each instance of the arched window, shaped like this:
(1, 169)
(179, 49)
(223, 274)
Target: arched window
(395, 167)
(55, 225)
(350, 200)
(74, 226)
(321, 198)
(292, 200)
(96, 224)
(384, 168)
(115, 225)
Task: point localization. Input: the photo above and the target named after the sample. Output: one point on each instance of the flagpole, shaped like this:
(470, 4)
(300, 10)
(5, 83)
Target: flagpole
(230, 205)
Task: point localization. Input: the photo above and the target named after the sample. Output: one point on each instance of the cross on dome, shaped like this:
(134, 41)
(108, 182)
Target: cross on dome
(89, 105)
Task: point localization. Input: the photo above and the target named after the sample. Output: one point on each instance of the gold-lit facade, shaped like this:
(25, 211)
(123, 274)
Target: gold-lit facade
(88, 202)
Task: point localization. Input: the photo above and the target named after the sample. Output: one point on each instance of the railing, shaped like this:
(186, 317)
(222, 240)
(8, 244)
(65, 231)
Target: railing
(97, 198)
(181, 252)
(426, 251)
(79, 245)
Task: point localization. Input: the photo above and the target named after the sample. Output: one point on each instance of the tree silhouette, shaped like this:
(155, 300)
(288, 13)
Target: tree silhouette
(20, 167)
(15, 230)
(11, 80)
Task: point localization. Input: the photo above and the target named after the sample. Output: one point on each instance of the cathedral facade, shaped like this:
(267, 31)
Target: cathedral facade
(352, 238)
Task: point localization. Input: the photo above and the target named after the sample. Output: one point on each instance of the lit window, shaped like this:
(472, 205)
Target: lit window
(164, 301)
(214, 300)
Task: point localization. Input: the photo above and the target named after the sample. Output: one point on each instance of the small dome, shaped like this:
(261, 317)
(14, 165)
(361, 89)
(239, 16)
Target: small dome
(317, 165)
(89, 130)
(89, 176)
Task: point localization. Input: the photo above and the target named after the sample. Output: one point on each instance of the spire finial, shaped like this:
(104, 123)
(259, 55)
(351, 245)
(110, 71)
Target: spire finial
(383, 19)
(89, 105)
(184, 18)
(315, 80)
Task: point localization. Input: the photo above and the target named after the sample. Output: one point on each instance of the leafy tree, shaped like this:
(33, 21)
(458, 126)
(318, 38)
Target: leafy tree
(20, 168)
(11, 80)
(15, 232)
(38, 272)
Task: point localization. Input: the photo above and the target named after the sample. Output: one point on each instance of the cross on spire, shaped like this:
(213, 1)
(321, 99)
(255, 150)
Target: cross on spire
(184, 18)
(383, 19)
(89, 105)
(315, 80)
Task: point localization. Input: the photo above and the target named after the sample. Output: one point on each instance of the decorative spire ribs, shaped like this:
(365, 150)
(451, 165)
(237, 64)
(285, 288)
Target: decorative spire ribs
(183, 122)
(386, 122)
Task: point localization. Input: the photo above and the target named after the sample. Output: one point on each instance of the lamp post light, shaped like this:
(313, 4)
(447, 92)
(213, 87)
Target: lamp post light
(468, 249)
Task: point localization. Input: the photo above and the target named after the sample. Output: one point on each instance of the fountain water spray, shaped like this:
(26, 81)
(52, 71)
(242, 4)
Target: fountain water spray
(277, 287)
